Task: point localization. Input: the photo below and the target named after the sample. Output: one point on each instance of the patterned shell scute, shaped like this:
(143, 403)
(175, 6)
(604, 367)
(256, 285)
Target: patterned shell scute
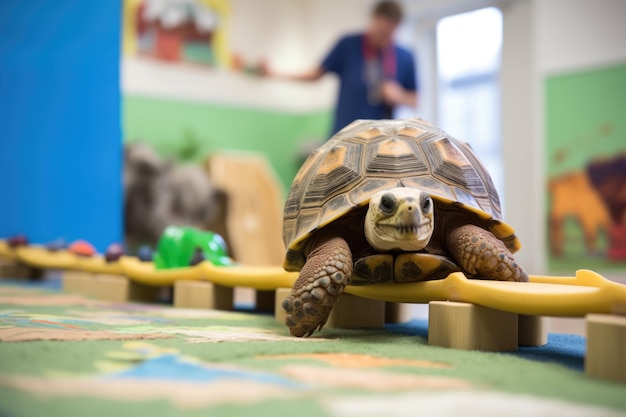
(369, 156)
(451, 166)
(394, 156)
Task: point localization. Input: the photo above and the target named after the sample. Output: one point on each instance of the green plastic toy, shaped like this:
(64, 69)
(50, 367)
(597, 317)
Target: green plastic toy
(178, 246)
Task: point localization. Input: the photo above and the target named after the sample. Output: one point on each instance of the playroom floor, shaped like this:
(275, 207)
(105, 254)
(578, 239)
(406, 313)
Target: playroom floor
(68, 354)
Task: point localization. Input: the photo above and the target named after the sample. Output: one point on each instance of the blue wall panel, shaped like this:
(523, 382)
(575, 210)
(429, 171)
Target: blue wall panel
(60, 138)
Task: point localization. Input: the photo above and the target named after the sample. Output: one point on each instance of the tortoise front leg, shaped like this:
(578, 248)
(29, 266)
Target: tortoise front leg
(327, 271)
(480, 253)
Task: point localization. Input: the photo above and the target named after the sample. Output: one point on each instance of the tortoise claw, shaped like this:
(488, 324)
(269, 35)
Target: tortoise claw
(321, 282)
(308, 310)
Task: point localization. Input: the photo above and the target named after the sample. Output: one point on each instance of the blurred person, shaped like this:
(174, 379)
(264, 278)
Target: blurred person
(375, 75)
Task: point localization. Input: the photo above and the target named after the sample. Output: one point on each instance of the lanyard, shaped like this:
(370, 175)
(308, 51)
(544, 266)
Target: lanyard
(370, 53)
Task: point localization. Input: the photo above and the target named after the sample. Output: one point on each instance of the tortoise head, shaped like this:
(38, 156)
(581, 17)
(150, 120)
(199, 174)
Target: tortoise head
(399, 219)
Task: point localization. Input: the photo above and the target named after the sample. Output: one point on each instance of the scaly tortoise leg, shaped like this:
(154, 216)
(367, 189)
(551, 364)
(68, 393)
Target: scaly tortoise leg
(327, 271)
(480, 253)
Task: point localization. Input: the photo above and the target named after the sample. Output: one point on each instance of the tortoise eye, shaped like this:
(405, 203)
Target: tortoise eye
(426, 204)
(387, 204)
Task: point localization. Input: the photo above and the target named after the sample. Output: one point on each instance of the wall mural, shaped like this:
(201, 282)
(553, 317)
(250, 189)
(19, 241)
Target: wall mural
(586, 170)
(191, 31)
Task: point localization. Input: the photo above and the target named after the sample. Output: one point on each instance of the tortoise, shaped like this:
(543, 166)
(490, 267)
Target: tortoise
(390, 201)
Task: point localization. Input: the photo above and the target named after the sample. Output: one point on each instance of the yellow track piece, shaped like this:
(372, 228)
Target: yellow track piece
(40, 257)
(146, 272)
(97, 264)
(259, 277)
(587, 292)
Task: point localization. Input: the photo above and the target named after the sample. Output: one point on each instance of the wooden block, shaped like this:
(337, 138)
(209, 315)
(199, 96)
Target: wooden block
(182, 290)
(265, 300)
(14, 269)
(99, 286)
(471, 327)
(280, 295)
(111, 287)
(352, 312)
(118, 288)
(531, 331)
(79, 282)
(7, 267)
(398, 313)
(202, 294)
(606, 345)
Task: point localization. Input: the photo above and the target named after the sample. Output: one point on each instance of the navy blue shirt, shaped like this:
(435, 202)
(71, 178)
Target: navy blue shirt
(356, 98)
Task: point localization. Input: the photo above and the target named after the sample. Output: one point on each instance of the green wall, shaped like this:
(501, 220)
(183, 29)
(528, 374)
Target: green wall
(172, 127)
(585, 118)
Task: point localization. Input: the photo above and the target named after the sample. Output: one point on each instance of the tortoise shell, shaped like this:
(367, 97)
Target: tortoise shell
(368, 156)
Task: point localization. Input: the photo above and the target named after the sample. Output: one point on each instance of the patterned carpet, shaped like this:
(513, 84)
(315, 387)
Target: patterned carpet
(66, 355)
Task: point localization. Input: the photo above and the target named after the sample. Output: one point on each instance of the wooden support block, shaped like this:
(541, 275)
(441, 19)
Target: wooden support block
(108, 287)
(531, 331)
(471, 327)
(79, 282)
(99, 286)
(14, 269)
(397, 313)
(352, 312)
(118, 288)
(280, 295)
(265, 300)
(111, 287)
(202, 294)
(606, 345)
(7, 267)
(182, 294)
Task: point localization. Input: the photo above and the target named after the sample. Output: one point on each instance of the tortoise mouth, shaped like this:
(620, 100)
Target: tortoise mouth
(406, 231)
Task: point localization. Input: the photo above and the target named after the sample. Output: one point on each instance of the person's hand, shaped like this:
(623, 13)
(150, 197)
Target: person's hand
(263, 69)
(392, 93)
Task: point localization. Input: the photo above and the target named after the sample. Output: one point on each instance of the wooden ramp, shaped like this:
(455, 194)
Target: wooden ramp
(255, 212)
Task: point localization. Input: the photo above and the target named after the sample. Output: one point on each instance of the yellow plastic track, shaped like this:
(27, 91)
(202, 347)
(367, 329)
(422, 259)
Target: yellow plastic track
(258, 277)
(587, 292)
(39, 257)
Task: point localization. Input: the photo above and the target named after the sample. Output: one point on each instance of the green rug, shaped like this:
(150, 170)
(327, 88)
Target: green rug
(67, 355)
